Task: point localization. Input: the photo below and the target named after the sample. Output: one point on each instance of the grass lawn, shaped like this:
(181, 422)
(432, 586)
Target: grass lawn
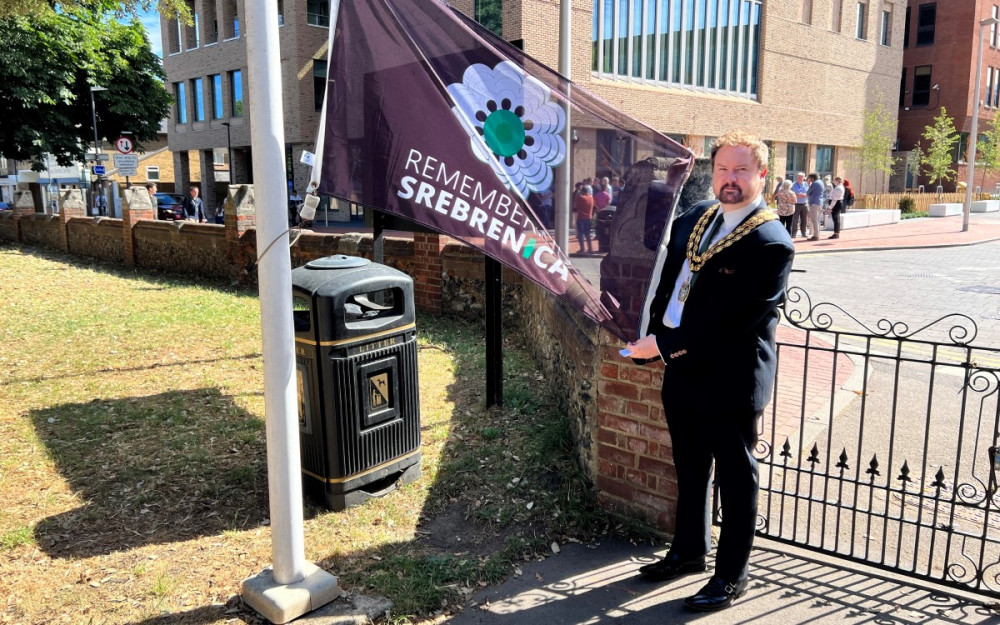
(133, 469)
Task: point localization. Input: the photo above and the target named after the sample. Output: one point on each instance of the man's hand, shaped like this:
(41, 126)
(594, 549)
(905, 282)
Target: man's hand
(644, 349)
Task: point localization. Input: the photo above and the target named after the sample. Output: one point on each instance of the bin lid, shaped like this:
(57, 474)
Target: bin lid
(338, 261)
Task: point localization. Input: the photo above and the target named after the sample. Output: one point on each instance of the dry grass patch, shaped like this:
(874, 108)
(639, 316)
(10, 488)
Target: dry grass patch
(133, 468)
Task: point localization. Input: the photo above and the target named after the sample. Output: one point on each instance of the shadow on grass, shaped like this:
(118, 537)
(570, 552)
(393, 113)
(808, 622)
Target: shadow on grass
(150, 367)
(154, 469)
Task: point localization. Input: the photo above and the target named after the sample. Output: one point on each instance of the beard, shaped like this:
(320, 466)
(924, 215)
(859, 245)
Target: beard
(731, 194)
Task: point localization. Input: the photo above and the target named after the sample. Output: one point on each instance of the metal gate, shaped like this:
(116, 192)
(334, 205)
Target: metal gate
(881, 444)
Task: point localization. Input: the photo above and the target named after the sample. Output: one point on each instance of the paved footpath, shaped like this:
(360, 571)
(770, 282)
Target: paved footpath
(586, 584)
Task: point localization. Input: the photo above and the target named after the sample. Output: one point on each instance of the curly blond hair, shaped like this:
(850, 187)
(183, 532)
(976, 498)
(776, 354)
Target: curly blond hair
(755, 144)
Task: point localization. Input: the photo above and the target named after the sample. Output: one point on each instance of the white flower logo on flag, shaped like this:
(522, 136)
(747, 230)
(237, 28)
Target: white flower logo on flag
(512, 124)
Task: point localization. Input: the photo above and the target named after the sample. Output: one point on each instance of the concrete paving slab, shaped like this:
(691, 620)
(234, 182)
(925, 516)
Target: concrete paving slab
(588, 584)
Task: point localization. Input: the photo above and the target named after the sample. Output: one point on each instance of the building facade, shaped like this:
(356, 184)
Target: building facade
(940, 45)
(800, 73)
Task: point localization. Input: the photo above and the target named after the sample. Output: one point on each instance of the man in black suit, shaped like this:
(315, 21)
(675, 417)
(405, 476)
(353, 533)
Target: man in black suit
(712, 320)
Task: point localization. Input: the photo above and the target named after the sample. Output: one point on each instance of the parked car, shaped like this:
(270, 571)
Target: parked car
(169, 207)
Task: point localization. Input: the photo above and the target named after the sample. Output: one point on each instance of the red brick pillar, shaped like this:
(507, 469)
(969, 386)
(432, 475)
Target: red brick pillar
(70, 205)
(634, 454)
(240, 219)
(136, 205)
(427, 270)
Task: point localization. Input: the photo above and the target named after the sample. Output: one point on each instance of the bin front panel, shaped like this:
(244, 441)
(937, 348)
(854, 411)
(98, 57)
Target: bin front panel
(377, 407)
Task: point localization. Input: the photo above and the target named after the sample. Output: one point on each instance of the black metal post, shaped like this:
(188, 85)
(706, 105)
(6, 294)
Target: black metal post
(494, 333)
(378, 241)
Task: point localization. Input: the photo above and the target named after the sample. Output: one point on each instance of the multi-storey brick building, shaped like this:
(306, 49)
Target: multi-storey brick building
(801, 73)
(940, 44)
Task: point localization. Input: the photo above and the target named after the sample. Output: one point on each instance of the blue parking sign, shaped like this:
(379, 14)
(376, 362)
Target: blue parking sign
(98, 170)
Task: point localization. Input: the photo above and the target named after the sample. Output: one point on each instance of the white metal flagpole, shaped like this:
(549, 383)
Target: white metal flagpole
(294, 586)
(564, 185)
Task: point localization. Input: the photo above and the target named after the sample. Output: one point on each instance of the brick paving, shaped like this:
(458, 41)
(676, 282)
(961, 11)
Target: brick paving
(909, 233)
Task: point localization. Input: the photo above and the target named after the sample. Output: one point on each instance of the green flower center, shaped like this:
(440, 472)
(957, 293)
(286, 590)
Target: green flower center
(504, 132)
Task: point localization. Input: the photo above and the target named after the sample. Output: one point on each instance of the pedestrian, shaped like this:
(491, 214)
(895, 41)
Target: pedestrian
(815, 199)
(777, 186)
(545, 202)
(220, 213)
(712, 321)
(785, 198)
(194, 207)
(848, 195)
(583, 208)
(837, 205)
(602, 196)
(616, 189)
(801, 215)
(294, 202)
(151, 190)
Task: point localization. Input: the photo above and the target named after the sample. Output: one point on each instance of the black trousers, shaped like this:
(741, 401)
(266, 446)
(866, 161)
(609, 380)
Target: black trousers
(786, 221)
(698, 438)
(837, 211)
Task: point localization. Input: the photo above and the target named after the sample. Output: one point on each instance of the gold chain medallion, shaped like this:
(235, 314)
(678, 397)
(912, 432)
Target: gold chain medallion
(696, 260)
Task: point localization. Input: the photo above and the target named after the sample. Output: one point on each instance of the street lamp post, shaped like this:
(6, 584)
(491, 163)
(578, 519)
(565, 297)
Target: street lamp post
(229, 148)
(97, 148)
(974, 131)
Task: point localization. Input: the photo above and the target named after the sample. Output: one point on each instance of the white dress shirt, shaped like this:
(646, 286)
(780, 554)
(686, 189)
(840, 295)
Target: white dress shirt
(731, 219)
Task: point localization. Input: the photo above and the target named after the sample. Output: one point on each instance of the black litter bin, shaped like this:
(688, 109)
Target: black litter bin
(604, 218)
(356, 367)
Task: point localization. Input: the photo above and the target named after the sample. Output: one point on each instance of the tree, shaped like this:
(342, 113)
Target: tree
(47, 65)
(118, 8)
(915, 162)
(988, 150)
(878, 135)
(941, 138)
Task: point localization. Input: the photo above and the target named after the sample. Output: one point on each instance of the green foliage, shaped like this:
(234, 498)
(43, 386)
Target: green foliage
(941, 138)
(907, 204)
(48, 63)
(915, 162)
(878, 135)
(988, 149)
(118, 8)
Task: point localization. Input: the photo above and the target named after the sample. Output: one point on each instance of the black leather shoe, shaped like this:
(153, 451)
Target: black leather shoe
(717, 594)
(671, 567)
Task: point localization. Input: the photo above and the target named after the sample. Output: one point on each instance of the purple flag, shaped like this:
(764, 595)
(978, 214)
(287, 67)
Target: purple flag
(433, 118)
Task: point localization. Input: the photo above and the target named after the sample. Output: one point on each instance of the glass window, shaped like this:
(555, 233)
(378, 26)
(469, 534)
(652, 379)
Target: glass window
(318, 12)
(993, 27)
(236, 89)
(926, 19)
(906, 29)
(489, 13)
(199, 99)
(219, 156)
(708, 146)
(861, 31)
(180, 94)
(319, 82)
(707, 44)
(885, 32)
(989, 87)
(921, 86)
(615, 153)
(216, 96)
(836, 13)
(795, 159)
(807, 12)
(958, 154)
(824, 160)
(902, 89)
(281, 13)
(152, 173)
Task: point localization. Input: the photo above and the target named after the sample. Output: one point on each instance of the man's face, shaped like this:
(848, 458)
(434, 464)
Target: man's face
(736, 177)
(193, 192)
(152, 189)
(800, 177)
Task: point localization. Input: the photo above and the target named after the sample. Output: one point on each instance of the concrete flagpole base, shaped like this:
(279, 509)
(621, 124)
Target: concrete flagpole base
(281, 603)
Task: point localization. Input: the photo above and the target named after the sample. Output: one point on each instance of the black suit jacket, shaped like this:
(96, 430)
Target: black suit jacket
(729, 319)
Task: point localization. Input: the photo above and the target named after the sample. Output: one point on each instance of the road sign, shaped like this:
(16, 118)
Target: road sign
(98, 170)
(127, 164)
(124, 145)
